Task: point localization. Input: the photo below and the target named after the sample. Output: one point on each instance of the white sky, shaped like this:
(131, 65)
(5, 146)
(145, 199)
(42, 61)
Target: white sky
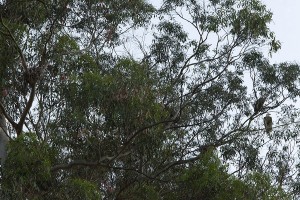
(286, 17)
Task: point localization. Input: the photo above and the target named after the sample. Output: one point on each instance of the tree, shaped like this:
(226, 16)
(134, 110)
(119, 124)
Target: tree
(90, 120)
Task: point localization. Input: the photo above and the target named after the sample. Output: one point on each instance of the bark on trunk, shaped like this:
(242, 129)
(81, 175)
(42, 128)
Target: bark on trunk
(3, 139)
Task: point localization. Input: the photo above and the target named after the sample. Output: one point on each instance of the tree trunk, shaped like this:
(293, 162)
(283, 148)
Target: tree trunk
(3, 139)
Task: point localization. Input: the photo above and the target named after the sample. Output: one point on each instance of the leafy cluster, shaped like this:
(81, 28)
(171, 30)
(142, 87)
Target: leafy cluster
(113, 116)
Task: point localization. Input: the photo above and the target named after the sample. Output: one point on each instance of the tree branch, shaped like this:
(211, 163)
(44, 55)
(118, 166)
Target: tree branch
(202, 149)
(19, 126)
(10, 120)
(87, 163)
(23, 61)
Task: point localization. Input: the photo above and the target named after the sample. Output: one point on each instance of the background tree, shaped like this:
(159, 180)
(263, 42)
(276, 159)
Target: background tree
(173, 119)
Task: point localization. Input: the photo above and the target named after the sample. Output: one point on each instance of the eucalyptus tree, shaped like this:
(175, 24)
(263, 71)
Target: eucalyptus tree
(90, 119)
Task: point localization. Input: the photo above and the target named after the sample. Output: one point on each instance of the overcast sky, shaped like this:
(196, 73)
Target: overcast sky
(286, 17)
(285, 24)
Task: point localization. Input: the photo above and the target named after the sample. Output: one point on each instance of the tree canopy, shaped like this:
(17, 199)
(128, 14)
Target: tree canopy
(127, 99)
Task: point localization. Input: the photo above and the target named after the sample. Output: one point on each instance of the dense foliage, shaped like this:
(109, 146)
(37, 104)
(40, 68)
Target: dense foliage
(130, 100)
